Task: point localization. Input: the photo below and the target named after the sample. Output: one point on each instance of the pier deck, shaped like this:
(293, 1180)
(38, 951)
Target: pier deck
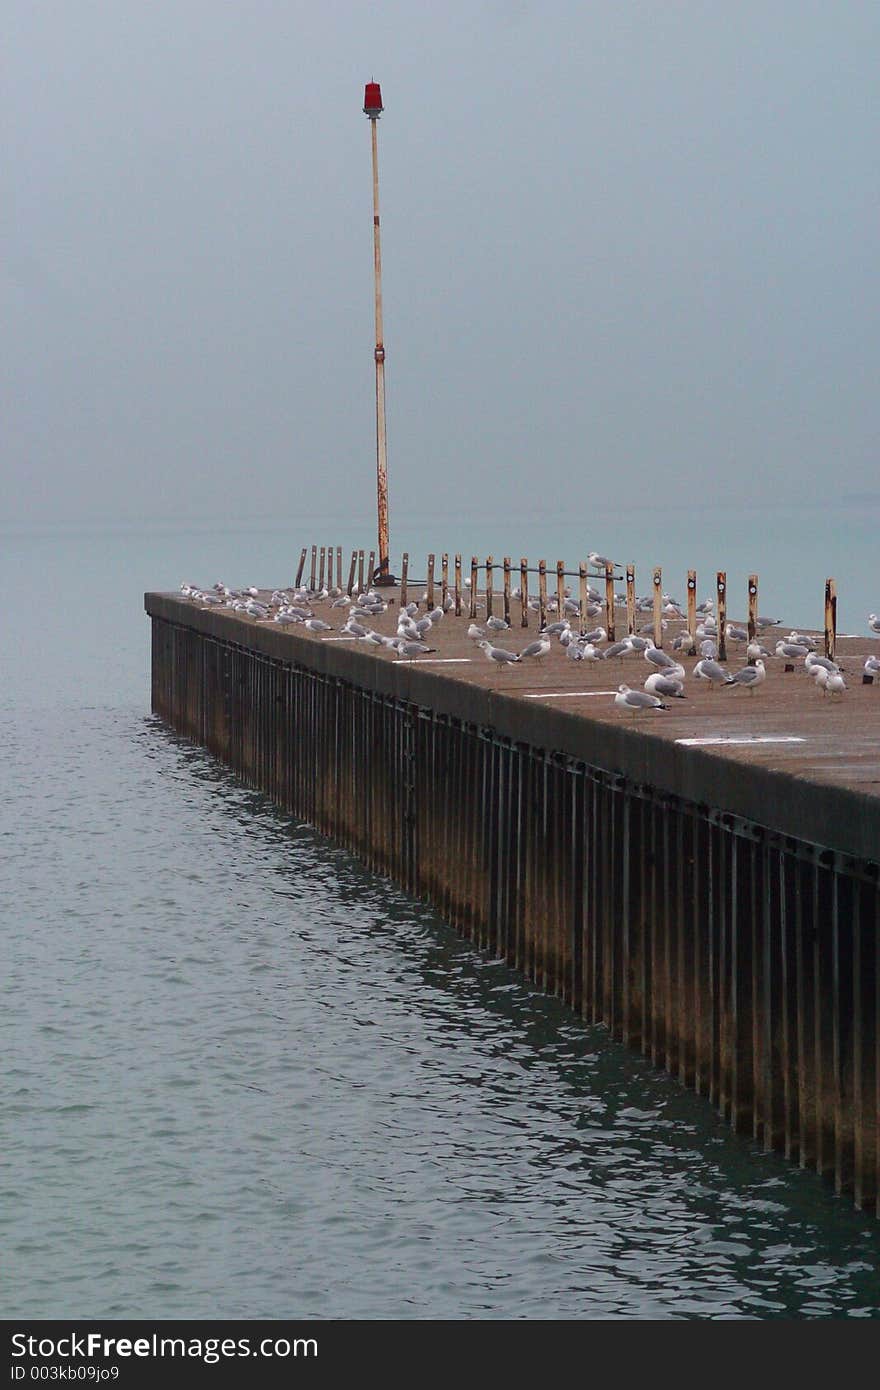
(713, 902)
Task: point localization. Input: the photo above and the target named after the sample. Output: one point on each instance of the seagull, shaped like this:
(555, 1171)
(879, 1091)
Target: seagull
(874, 622)
(684, 643)
(749, 676)
(872, 666)
(618, 649)
(475, 633)
(792, 649)
(737, 634)
(413, 649)
(598, 634)
(638, 644)
(636, 700)
(498, 654)
(498, 624)
(708, 670)
(354, 628)
(709, 649)
(317, 625)
(660, 684)
(538, 649)
(754, 650)
(812, 660)
(656, 657)
(593, 653)
(601, 561)
(835, 684)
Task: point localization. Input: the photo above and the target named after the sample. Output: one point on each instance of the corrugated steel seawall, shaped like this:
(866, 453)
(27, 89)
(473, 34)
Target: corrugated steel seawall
(741, 957)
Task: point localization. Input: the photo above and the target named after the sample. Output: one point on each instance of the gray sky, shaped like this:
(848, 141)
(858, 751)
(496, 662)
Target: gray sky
(630, 249)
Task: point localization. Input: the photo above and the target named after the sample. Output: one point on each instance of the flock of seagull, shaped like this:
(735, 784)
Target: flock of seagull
(666, 676)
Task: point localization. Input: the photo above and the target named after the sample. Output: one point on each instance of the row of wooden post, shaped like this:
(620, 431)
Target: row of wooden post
(322, 567)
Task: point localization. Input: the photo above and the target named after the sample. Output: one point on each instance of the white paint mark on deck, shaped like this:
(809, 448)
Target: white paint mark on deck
(433, 661)
(739, 738)
(568, 694)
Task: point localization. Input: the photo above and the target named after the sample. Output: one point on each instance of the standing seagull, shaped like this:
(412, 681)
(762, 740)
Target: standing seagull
(636, 700)
(538, 649)
(749, 676)
(707, 670)
(498, 654)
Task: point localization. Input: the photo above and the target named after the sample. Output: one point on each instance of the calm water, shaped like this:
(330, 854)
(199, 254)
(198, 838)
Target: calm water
(244, 1078)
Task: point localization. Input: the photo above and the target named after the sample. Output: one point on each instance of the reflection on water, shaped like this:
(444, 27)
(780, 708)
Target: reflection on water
(246, 1078)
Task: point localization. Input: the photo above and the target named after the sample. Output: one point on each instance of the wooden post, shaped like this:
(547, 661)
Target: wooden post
(458, 586)
(560, 589)
(721, 588)
(753, 606)
(444, 579)
(360, 571)
(429, 595)
(609, 601)
(312, 575)
(300, 568)
(658, 605)
(583, 597)
(630, 600)
(542, 595)
(489, 568)
(523, 592)
(473, 612)
(404, 575)
(321, 572)
(507, 589)
(354, 556)
(339, 566)
(830, 618)
(692, 604)
(370, 568)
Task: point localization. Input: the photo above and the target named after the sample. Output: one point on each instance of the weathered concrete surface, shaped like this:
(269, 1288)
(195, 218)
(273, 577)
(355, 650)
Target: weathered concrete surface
(824, 790)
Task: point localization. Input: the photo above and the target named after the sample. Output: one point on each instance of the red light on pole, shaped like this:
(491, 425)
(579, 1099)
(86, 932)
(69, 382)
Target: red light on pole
(373, 100)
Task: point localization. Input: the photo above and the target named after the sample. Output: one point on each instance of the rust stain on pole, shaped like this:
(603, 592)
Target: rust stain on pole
(542, 595)
(721, 589)
(489, 568)
(354, 556)
(379, 354)
(507, 589)
(444, 579)
(321, 570)
(300, 568)
(630, 600)
(473, 608)
(609, 601)
(429, 591)
(339, 566)
(560, 589)
(692, 603)
(404, 573)
(523, 592)
(458, 586)
(583, 597)
(360, 571)
(658, 607)
(753, 606)
(313, 574)
(830, 618)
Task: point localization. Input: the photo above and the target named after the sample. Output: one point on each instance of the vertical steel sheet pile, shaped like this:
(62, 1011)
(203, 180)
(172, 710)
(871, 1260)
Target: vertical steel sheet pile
(742, 961)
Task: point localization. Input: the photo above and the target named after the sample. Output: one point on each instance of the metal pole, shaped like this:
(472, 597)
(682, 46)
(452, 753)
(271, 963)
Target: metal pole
(381, 446)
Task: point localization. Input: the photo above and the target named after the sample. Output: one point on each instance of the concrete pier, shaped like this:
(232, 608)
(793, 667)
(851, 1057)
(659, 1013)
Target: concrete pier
(711, 898)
